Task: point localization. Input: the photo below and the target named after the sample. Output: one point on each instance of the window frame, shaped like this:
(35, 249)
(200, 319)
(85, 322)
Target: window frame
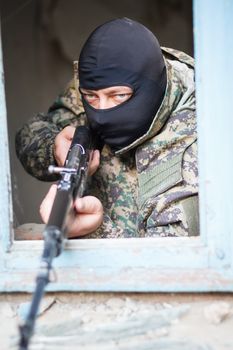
(194, 264)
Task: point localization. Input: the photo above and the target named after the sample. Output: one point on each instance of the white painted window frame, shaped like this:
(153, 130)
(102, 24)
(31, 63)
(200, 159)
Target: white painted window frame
(152, 265)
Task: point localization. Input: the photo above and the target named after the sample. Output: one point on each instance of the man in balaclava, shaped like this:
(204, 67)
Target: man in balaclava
(123, 53)
(147, 176)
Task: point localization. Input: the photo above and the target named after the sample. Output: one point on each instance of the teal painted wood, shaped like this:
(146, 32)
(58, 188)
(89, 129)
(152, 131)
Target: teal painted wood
(147, 265)
(213, 30)
(117, 254)
(164, 265)
(5, 183)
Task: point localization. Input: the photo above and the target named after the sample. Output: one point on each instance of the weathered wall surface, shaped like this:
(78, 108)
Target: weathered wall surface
(41, 38)
(123, 321)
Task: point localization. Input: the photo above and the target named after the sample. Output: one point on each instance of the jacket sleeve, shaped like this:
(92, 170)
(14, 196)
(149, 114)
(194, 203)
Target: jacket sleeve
(34, 141)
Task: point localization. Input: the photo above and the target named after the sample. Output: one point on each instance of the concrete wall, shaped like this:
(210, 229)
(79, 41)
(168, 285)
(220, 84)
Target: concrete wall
(41, 39)
(122, 321)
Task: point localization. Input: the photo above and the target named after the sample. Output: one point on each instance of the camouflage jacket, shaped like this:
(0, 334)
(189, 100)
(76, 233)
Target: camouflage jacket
(150, 187)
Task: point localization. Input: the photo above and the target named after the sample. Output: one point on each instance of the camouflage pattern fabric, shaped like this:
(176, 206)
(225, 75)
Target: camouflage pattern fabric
(148, 188)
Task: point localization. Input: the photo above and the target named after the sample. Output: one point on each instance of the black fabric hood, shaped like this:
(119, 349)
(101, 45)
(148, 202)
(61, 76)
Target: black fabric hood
(123, 52)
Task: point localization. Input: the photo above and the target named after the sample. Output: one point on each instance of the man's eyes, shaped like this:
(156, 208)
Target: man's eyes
(107, 100)
(120, 96)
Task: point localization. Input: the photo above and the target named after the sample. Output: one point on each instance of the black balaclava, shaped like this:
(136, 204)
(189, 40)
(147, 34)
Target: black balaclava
(123, 52)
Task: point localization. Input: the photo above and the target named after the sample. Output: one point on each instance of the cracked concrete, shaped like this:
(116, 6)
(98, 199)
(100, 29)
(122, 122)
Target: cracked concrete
(93, 321)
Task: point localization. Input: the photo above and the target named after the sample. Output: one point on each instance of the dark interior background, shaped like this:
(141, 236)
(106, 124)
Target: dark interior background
(41, 38)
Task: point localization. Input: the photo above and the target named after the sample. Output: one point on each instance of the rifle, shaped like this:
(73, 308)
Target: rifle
(70, 186)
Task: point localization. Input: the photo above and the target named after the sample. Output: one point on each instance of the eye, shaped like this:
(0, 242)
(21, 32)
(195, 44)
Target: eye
(122, 97)
(89, 97)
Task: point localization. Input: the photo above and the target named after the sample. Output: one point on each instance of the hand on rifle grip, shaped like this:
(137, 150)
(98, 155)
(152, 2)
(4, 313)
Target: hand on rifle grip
(89, 213)
(61, 147)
